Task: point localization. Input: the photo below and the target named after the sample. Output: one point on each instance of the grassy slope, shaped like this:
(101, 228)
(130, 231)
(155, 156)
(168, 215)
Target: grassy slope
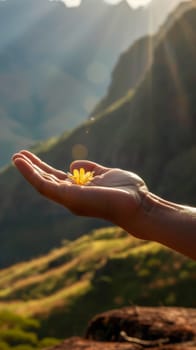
(102, 270)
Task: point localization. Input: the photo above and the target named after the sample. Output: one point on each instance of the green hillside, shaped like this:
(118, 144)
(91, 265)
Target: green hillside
(105, 269)
(21, 333)
(150, 130)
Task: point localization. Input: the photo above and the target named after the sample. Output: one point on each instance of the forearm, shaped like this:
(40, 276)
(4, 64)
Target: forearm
(168, 223)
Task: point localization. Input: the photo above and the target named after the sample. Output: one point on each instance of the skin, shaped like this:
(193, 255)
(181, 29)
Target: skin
(116, 195)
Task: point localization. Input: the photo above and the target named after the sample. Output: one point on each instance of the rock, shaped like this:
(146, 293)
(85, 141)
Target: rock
(138, 328)
(82, 344)
(147, 323)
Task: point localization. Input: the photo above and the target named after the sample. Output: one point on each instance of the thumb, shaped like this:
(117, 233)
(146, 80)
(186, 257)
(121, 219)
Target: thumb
(88, 166)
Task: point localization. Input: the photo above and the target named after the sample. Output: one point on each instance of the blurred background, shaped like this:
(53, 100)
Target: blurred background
(114, 82)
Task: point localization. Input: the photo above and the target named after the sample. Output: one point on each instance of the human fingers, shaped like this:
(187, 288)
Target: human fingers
(106, 203)
(47, 175)
(42, 165)
(81, 200)
(88, 166)
(43, 183)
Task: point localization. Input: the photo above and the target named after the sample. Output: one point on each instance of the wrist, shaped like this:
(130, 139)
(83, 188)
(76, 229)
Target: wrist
(154, 215)
(168, 223)
(143, 220)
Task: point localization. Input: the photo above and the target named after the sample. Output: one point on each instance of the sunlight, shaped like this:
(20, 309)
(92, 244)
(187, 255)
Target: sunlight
(132, 3)
(181, 97)
(23, 22)
(81, 47)
(170, 60)
(137, 3)
(100, 92)
(69, 3)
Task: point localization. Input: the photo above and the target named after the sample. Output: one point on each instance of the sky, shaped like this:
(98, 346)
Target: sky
(131, 3)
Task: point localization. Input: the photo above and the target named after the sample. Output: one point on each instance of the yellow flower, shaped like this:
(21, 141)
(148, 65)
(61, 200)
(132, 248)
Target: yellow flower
(80, 177)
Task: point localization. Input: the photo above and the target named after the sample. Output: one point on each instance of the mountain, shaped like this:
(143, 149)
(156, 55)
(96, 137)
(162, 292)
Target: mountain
(55, 63)
(102, 270)
(137, 59)
(149, 131)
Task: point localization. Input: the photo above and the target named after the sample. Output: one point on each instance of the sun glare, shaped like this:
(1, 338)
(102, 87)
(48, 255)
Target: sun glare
(138, 3)
(70, 3)
(132, 3)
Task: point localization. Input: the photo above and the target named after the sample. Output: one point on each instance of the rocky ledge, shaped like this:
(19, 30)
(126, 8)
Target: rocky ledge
(138, 328)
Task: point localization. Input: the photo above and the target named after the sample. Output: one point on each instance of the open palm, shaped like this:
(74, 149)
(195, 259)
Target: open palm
(113, 194)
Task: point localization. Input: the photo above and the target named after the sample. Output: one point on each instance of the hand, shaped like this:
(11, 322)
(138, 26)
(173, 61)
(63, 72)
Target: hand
(113, 194)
